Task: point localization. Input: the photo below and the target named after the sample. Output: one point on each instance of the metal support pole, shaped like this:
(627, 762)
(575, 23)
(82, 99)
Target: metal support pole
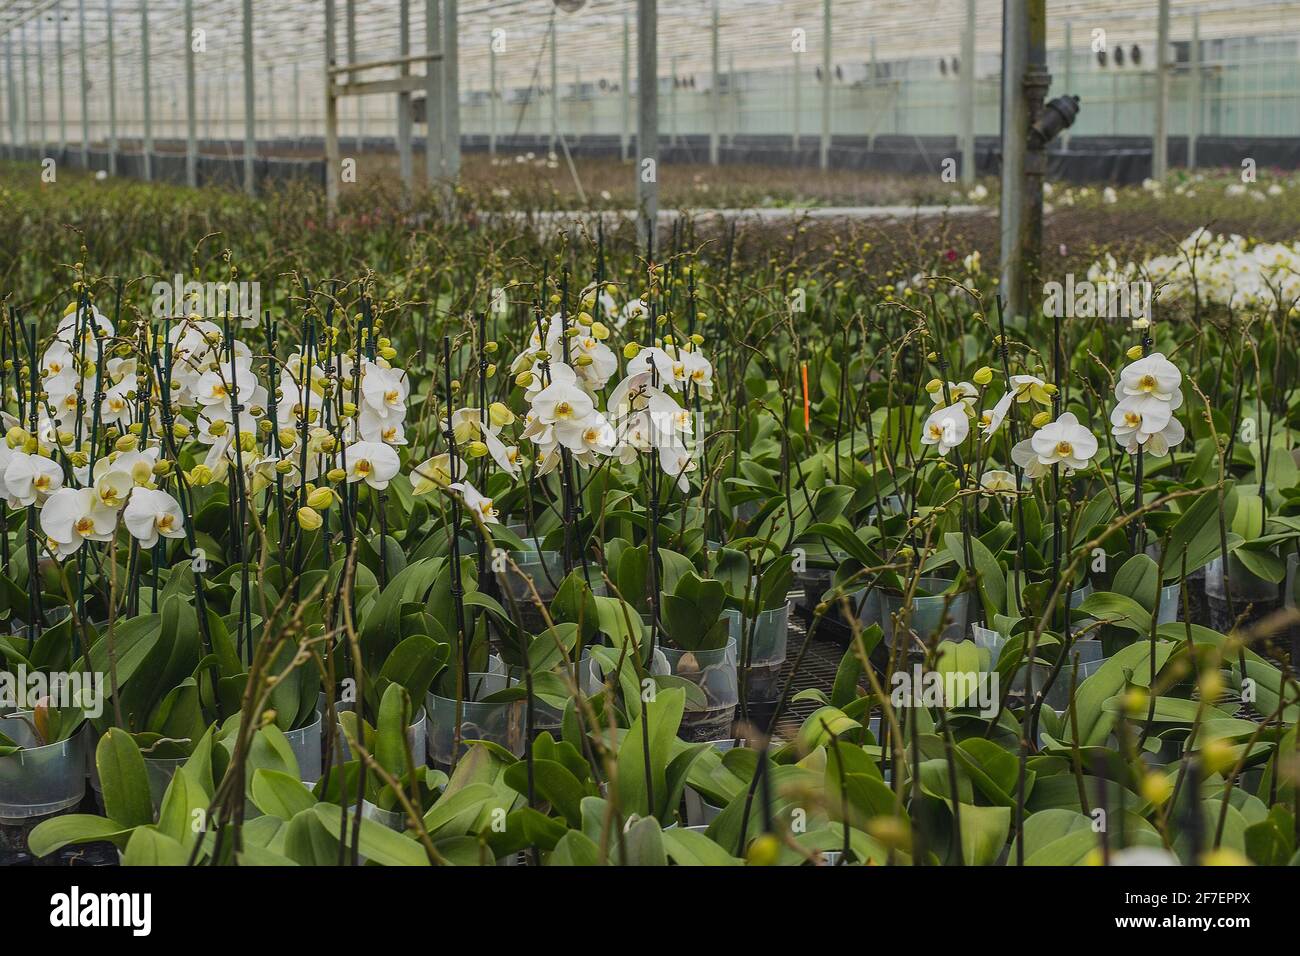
(40, 85)
(270, 102)
(1015, 139)
(58, 56)
(27, 94)
(1068, 69)
(11, 94)
(555, 85)
(825, 157)
(492, 97)
(112, 89)
(1194, 92)
(433, 143)
(794, 102)
(404, 98)
(1160, 130)
(968, 97)
(350, 42)
(331, 120)
(625, 136)
(191, 107)
(733, 92)
(647, 123)
(715, 94)
(146, 91)
(450, 89)
(297, 103)
(85, 85)
(672, 103)
(250, 110)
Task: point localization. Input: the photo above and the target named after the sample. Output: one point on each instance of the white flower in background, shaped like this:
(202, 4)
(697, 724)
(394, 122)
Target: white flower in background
(1064, 442)
(677, 462)
(699, 372)
(30, 479)
(959, 392)
(972, 261)
(116, 408)
(997, 481)
(991, 419)
(87, 319)
(476, 502)
(1028, 388)
(632, 309)
(1023, 454)
(150, 513)
(1164, 440)
(58, 362)
(562, 400)
(669, 372)
(372, 462)
(947, 428)
(74, 515)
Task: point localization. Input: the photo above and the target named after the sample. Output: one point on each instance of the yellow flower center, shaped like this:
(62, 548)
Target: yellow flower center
(84, 526)
(1132, 419)
(363, 466)
(1147, 383)
(166, 522)
(390, 396)
(41, 482)
(563, 410)
(1064, 449)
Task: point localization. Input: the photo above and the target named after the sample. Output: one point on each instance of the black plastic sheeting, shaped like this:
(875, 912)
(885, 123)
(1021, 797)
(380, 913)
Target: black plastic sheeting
(1089, 159)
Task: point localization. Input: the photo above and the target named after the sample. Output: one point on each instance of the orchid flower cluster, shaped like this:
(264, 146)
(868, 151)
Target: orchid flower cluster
(564, 375)
(97, 387)
(1149, 392)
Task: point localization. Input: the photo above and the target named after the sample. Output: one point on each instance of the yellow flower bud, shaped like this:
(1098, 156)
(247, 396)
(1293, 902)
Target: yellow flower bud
(336, 475)
(764, 851)
(309, 519)
(180, 431)
(17, 435)
(388, 353)
(584, 318)
(287, 437)
(349, 409)
(200, 475)
(321, 498)
(1041, 419)
(697, 339)
(983, 376)
(283, 467)
(162, 468)
(490, 371)
(126, 443)
(1157, 787)
(582, 361)
(499, 415)
(1134, 353)
(476, 449)
(218, 428)
(524, 378)
(933, 385)
(631, 350)
(65, 438)
(599, 331)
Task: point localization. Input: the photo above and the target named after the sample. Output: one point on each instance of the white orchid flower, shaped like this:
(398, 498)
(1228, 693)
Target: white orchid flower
(151, 513)
(74, 515)
(372, 462)
(1153, 375)
(946, 428)
(996, 481)
(1064, 442)
(30, 479)
(476, 502)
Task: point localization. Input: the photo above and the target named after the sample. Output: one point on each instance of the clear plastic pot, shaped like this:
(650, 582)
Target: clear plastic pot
(501, 723)
(714, 673)
(39, 781)
(305, 742)
(415, 734)
(545, 569)
(766, 654)
(930, 616)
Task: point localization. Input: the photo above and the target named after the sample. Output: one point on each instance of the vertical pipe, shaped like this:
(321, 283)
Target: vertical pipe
(647, 122)
(297, 103)
(191, 107)
(871, 91)
(270, 102)
(84, 78)
(555, 85)
(794, 103)
(58, 56)
(404, 98)
(331, 119)
(433, 144)
(250, 111)
(672, 103)
(146, 91)
(968, 97)
(733, 91)
(112, 89)
(27, 93)
(625, 136)
(1068, 67)
(715, 94)
(11, 95)
(1160, 129)
(1015, 135)
(350, 42)
(1194, 92)
(451, 88)
(40, 84)
(492, 96)
(825, 157)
